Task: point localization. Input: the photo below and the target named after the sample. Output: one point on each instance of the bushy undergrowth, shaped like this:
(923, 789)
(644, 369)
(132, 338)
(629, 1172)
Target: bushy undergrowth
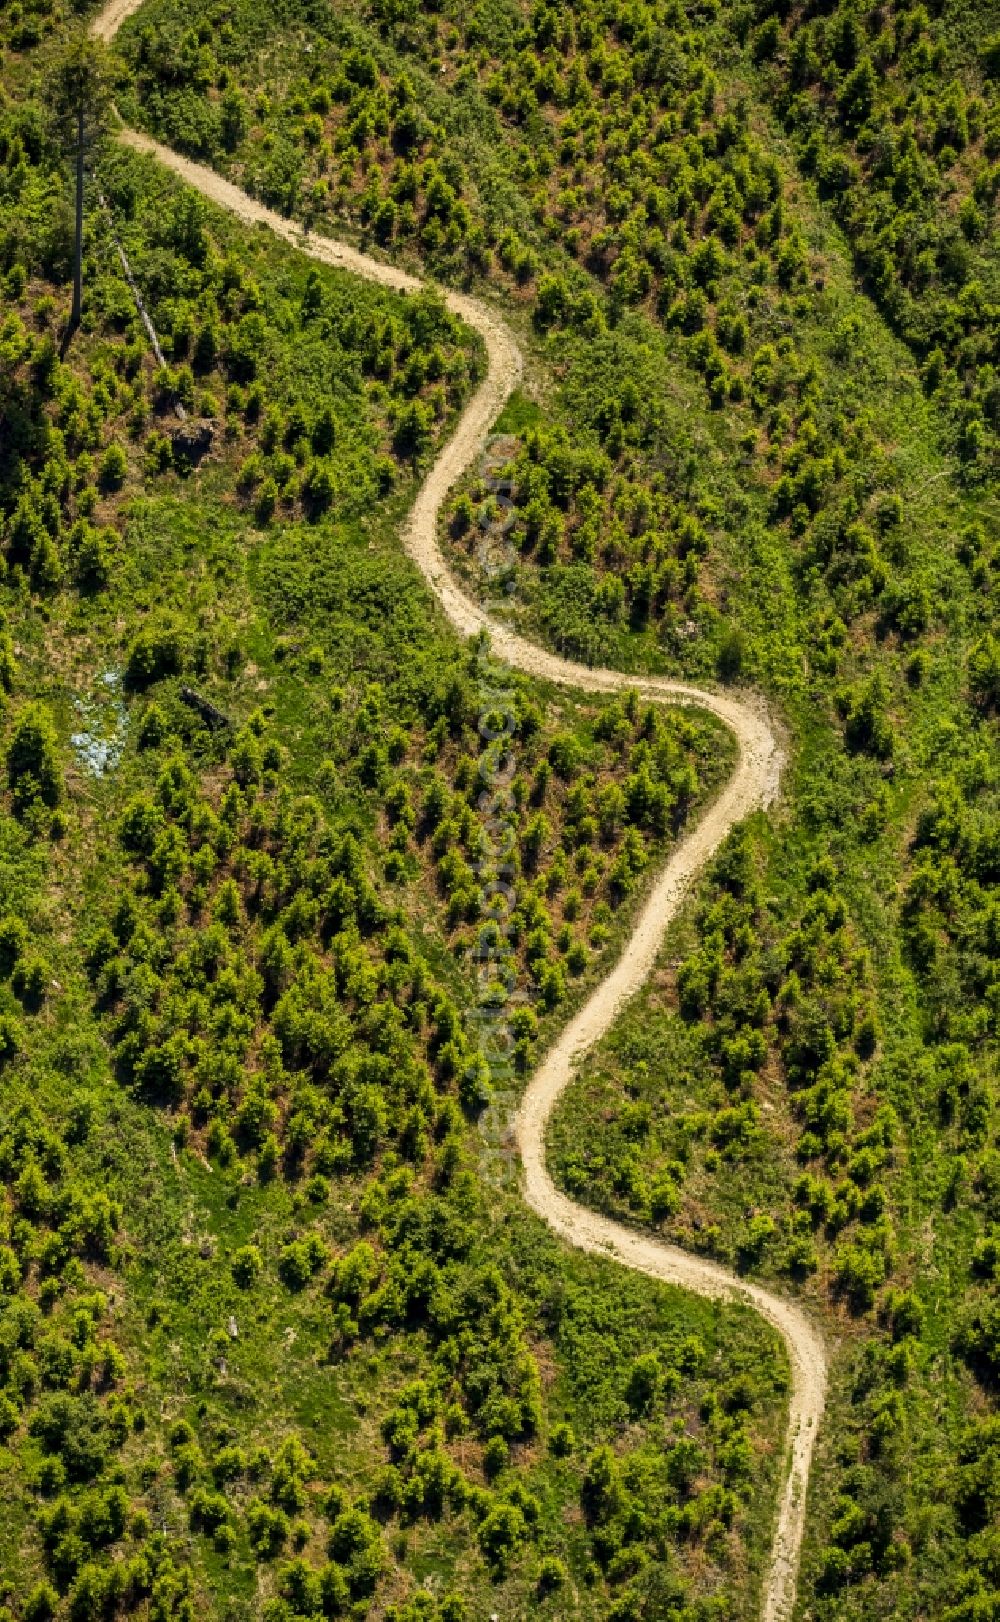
(627, 146)
(792, 1095)
(265, 1337)
(640, 184)
(315, 394)
(727, 466)
(906, 151)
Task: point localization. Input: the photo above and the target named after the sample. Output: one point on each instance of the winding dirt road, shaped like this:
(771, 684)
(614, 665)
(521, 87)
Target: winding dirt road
(754, 783)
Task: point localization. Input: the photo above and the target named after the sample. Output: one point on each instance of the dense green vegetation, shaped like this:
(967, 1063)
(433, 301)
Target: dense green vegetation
(321, 424)
(692, 217)
(700, 225)
(752, 255)
(733, 462)
(906, 147)
(276, 1337)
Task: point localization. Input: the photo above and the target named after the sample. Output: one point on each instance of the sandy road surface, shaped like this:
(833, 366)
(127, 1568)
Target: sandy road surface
(753, 784)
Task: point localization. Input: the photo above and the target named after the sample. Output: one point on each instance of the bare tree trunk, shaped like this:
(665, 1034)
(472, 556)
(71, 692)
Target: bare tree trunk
(77, 311)
(78, 258)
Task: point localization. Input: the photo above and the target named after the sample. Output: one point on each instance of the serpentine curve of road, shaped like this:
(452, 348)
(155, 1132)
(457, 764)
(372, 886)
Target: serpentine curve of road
(753, 784)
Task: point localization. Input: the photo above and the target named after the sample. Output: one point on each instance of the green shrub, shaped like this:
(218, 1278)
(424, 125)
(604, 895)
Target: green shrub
(33, 766)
